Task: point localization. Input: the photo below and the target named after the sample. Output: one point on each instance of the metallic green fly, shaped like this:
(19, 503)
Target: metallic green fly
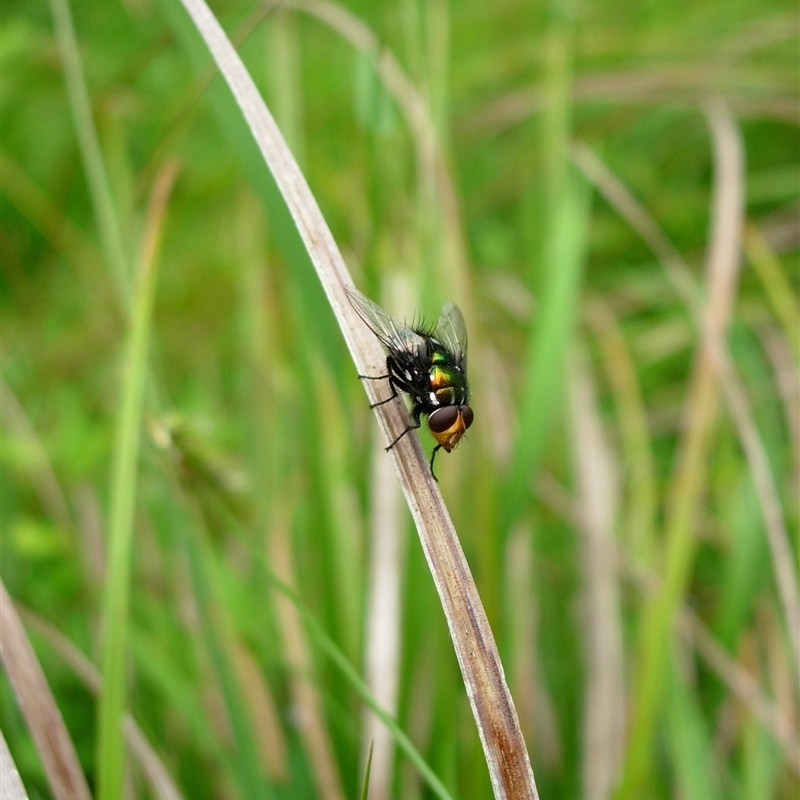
(429, 364)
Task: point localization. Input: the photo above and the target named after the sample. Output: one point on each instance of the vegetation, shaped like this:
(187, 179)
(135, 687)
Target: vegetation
(608, 191)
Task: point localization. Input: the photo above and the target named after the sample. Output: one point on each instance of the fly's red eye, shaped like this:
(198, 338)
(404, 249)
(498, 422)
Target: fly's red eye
(443, 419)
(467, 416)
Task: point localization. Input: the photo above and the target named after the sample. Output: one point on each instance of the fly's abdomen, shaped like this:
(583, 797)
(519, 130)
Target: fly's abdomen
(447, 386)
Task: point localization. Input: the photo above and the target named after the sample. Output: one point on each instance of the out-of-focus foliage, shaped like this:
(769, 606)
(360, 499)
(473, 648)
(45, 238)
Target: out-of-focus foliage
(257, 445)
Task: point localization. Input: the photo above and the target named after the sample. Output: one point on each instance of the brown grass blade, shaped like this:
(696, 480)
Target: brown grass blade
(382, 660)
(604, 696)
(473, 641)
(143, 752)
(11, 787)
(305, 696)
(414, 108)
(744, 686)
(691, 466)
(679, 272)
(55, 747)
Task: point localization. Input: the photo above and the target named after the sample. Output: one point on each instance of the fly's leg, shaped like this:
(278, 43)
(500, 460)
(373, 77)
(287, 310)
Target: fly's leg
(409, 428)
(380, 378)
(433, 455)
(416, 413)
(398, 384)
(395, 384)
(387, 400)
(394, 381)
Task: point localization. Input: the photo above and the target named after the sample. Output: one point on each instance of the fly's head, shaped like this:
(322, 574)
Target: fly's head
(449, 423)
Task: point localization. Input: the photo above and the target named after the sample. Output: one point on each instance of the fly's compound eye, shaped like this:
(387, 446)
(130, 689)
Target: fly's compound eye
(467, 415)
(443, 419)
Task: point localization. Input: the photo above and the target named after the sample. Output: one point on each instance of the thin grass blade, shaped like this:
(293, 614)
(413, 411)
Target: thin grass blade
(691, 469)
(53, 742)
(110, 750)
(604, 696)
(479, 660)
(89, 145)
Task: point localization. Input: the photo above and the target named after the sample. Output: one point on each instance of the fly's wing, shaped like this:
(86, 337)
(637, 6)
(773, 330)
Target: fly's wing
(451, 331)
(395, 337)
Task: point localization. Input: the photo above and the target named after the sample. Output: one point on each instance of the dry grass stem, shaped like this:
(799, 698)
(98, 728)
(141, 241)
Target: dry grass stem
(642, 221)
(689, 85)
(382, 660)
(726, 255)
(53, 742)
(264, 713)
(604, 697)
(744, 686)
(783, 560)
(787, 381)
(161, 782)
(491, 702)
(691, 464)
(411, 102)
(309, 716)
(11, 787)
(641, 481)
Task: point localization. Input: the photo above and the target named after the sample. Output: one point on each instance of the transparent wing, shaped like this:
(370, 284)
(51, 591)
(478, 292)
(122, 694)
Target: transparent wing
(393, 334)
(451, 331)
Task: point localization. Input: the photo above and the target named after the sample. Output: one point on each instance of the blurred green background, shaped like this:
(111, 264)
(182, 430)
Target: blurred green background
(553, 169)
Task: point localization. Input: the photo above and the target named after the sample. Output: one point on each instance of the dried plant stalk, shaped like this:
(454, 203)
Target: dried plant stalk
(494, 711)
(45, 723)
(11, 787)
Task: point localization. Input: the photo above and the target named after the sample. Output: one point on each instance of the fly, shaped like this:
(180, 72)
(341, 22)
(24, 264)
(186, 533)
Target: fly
(429, 364)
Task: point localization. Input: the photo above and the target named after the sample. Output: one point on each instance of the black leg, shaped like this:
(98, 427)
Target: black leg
(409, 428)
(380, 378)
(397, 385)
(433, 455)
(387, 400)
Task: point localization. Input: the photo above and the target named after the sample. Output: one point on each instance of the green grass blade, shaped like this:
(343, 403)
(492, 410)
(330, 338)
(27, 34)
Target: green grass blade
(328, 646)
(110, 752)
(760, 764)
(691, 748)
(564, 211)
(89, 144)
(247, 771)
(691, 471)
(550, 340)
(365, 787)
(777, 286)
(635, 438)
(282, 228)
